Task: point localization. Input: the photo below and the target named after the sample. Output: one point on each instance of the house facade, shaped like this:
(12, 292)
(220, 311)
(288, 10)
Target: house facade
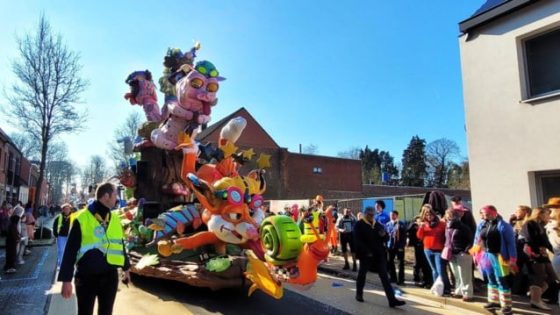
(291, 175)
(511, 84)
(18, 176)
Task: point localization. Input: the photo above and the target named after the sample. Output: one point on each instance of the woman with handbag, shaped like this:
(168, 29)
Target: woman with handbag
(432, 234)
(458, 240)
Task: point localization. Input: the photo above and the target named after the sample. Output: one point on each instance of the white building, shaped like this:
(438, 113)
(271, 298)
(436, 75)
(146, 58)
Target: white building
(510, 56)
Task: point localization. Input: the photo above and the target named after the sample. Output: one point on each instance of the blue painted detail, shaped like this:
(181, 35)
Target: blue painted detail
(99, 231)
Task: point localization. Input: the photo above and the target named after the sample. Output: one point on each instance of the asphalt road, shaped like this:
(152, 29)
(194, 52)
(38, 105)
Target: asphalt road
(155, 296)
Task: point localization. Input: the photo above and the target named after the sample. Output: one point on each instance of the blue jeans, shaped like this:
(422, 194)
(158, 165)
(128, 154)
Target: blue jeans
(438, 267)
(60, 245)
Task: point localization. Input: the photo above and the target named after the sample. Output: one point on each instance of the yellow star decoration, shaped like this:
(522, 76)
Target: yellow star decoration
(184, 140)
(263, 161)
(248, 154)
(229, 149)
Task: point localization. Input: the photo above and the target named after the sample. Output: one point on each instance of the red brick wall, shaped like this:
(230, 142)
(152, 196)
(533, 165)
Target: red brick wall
(337, 175)
(25, 170)
(253, 135)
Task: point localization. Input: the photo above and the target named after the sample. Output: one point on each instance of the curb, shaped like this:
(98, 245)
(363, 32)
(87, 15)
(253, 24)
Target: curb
(444, 301)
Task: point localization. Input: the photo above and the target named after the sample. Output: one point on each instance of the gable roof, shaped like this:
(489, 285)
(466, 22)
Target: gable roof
(489, 5)
(490, 11)
(213, 130)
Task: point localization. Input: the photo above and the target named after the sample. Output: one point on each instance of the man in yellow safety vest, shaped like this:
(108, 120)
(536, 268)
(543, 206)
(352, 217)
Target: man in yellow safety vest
(61, 227)
(95, 246)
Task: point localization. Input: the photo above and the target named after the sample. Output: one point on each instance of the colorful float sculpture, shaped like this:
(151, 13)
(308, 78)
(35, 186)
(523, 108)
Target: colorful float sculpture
(223, 235)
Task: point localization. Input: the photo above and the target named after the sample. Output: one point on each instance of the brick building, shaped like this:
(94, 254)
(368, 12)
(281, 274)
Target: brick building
(298, 177)
(18, 176)
(292, 175)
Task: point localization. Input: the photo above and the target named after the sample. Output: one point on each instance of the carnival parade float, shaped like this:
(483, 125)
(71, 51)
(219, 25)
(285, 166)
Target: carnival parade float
(199, 219)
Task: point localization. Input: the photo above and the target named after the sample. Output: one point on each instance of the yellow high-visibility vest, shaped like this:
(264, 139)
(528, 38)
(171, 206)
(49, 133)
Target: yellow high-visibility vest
(94, 236)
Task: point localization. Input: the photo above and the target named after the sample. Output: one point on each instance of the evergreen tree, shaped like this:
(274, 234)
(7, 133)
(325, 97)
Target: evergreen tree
(371, 166)
(414, 163)
(376, 162)
(387, 164)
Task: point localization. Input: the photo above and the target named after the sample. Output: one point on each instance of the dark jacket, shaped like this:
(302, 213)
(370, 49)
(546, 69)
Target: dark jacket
(469, 221)
(13, 237)
(534, 235)
(369, 240)
(459, 236)
(65, 225)
(93, 262)
(502, 230)
(12, 240)
(411, 230)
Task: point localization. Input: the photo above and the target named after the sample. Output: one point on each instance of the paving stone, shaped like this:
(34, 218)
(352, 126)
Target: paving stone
(25, 292)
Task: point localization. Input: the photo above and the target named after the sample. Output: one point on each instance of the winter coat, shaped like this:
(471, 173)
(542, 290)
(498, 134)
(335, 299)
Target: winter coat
(369, 240)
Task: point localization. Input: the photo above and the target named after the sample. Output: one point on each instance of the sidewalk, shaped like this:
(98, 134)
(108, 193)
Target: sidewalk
(40, 221)
(521, 304)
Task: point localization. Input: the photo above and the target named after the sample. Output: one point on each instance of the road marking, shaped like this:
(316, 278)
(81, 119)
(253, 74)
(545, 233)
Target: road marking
(35, 274)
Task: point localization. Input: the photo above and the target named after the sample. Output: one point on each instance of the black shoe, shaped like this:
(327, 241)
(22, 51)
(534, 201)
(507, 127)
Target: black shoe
(490, 306)
(359, 298)
(396, 303)
(354, 268)
(346, 266)
(507, 311)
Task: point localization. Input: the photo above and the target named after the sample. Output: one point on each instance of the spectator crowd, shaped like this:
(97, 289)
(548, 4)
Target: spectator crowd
(517, 255)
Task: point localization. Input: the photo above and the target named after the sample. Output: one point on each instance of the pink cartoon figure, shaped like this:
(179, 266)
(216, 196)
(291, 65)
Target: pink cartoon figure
(143, 92)
(196, 94)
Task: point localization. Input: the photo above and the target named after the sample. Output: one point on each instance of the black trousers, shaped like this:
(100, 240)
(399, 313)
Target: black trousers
(422, 271)
(399, 254)
(101, 286)
(381, 263)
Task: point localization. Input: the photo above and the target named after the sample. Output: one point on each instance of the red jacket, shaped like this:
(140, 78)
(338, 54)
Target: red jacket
(433, 238)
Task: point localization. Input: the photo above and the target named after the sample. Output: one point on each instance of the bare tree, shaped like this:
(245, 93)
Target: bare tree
(95, 172)
(352, 153)
(59, 170)
(128, 129)
(439, 157)
(26, 144)
(48, 86)
(312, 149)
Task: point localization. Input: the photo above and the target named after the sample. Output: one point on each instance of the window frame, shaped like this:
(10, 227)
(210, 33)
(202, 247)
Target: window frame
(524, 60)
(539, 176)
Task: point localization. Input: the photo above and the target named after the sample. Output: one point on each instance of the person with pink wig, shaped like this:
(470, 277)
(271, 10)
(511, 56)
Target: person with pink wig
(495, 253)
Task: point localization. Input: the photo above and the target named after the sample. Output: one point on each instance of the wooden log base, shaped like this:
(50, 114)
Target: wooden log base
(193, 273)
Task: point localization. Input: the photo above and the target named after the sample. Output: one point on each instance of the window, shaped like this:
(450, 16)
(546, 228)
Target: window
(548, 185)
(543, 64)
(317, 170)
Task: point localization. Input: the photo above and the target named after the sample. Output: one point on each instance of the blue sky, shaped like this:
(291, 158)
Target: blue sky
(330, 73)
